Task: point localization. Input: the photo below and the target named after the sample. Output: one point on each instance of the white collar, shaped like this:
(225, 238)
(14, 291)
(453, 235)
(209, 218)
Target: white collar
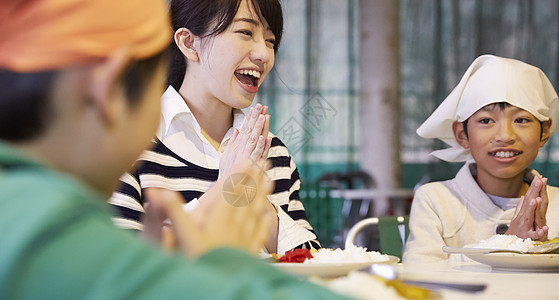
(173, 106)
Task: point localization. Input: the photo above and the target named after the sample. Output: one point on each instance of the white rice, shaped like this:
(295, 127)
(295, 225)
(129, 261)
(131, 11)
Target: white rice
(361, 286)
(502, 241)
(351, 254)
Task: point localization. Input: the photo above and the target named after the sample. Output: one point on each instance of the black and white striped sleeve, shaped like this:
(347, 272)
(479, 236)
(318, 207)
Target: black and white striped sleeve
(286, 190)
(128, 202)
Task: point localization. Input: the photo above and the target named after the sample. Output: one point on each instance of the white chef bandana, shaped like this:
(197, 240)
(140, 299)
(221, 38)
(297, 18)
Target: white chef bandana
(491, 79)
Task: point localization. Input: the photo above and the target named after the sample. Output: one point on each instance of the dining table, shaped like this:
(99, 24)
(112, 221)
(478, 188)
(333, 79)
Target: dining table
(500, 284)
(451, 280)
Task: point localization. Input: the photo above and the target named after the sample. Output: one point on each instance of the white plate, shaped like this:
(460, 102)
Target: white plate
(329, 269)
(511, 261)
(518, 262)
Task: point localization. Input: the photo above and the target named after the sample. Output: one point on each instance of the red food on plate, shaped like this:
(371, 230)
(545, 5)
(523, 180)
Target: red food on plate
(296, 256)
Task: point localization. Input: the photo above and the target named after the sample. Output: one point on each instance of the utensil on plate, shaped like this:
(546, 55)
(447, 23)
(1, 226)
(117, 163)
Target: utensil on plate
(389, 273)
(547, 248)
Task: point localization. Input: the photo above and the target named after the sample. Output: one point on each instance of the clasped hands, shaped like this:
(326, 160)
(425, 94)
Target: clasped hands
(216, 222)
(529, 220)
(251, 143)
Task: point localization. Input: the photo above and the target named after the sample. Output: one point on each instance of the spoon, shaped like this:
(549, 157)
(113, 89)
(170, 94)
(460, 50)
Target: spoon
(389, 273)
(547, 248)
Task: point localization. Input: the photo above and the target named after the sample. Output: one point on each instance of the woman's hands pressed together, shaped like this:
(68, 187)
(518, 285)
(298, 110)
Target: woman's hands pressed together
(250, 143)
(217, 222)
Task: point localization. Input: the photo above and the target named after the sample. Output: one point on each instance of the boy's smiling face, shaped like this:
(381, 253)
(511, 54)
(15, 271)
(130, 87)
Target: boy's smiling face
(503, 140)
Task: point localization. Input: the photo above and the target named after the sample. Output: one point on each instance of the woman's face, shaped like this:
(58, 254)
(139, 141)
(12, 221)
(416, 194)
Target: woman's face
(234, 63)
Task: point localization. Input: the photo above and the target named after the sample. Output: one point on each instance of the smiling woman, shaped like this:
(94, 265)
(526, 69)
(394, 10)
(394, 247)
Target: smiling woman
(227, 67)
(222, 14)
(222, 52)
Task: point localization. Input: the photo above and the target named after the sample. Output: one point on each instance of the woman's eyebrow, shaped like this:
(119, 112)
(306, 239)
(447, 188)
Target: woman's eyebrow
(248, 20)
(251, 21)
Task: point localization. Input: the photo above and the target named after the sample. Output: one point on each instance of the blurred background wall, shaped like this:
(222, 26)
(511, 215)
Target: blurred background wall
(354, 79)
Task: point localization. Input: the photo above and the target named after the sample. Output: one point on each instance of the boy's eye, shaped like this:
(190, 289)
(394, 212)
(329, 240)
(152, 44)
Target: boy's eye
(485, 121)
(522, 120)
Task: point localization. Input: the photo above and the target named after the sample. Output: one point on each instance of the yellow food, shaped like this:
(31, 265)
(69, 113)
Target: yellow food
(554, 240)
(410, 291)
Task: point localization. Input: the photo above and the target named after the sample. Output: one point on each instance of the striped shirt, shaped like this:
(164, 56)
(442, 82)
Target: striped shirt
(183, 160)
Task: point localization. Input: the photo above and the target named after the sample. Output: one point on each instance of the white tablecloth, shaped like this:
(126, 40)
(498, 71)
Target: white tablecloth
(500, 284)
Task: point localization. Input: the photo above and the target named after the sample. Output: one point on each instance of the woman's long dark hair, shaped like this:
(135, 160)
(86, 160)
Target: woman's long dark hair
(199, 16)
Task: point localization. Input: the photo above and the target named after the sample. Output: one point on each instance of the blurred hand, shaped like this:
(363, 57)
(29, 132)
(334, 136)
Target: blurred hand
(218, 223)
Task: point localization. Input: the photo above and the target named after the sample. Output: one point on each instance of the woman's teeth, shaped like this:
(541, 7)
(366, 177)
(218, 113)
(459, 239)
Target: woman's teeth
(253, 73)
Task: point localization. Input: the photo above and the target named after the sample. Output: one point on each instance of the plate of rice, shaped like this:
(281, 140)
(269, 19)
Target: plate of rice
(363, 286)
(332, 263)
(512, 261)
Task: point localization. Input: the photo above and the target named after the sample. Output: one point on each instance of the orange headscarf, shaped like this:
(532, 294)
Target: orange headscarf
(39, 35)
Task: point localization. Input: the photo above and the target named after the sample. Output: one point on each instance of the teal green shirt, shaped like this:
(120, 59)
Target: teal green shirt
(57, 241)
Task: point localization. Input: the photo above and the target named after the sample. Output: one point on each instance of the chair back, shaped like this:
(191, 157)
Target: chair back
(393, 233)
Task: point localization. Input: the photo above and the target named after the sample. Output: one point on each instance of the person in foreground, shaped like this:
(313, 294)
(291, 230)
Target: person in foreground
(80, 87)
(221, 53)
(497, 118)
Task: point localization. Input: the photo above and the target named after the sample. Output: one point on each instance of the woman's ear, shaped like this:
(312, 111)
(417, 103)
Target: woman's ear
(106, 85)
(546, 126)
(185, 40)
(460, 134)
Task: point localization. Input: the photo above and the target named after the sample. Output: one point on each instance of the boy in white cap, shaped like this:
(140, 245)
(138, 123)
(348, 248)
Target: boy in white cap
(496, 119)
